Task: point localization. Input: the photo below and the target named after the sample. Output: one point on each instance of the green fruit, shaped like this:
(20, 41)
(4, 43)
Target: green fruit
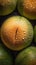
(26, 57)
(5, 58)
(7, 6)
(27, 8)
(16, 32)
(35, 33)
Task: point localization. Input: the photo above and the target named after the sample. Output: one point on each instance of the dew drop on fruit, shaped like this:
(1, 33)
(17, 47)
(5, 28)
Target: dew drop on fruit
(16, 38)
(22, 38)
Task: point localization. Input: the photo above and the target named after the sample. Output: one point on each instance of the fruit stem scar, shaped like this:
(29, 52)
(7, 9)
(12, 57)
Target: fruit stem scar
(16, 33)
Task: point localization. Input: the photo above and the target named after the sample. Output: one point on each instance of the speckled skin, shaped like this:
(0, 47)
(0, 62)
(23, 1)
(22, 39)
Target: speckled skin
(26, 57)
(27, 8)
(16, 32)
(7, 6)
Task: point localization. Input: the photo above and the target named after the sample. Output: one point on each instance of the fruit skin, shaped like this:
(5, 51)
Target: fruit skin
(26, 57)
(7, 6)
(35, 33)
(5, 58)
(25, 9)
(24, 33)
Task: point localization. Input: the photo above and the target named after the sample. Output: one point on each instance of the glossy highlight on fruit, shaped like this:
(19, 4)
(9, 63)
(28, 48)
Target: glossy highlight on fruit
(35, 33)
(27, 8)
(5, 58)
(7, 6)
(26, 57)
(16, 32)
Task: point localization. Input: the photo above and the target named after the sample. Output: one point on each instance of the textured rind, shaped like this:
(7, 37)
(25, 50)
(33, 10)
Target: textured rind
(35, 33)
(7, 6)
(26, 57)
(5, 57)
(21, 10)
(26, 27)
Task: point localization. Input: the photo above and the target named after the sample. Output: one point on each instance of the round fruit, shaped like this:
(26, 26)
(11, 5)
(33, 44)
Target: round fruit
(5, 58)
(26, 57)
(7, 6)
(16, 32)
(27, 8)
(35, 33)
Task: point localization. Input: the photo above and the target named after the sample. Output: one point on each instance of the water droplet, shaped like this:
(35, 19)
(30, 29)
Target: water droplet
(24, 32)
(23, 39)
(16, 38)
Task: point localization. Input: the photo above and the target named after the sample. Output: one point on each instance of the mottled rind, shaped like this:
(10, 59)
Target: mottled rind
(16, 32)
(27, 8)
(7, 6)
(26, 57)
(5, 57)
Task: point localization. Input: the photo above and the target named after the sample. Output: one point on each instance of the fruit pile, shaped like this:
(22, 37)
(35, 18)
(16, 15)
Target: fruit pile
(17, 32)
